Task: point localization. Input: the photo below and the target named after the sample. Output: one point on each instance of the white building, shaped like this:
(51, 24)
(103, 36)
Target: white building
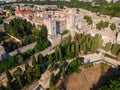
(51, 26)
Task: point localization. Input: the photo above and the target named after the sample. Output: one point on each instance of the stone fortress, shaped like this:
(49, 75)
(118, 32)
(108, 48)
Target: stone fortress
(71, 19)
(56, 21)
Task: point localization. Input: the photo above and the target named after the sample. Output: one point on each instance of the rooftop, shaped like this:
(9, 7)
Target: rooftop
(23, 12)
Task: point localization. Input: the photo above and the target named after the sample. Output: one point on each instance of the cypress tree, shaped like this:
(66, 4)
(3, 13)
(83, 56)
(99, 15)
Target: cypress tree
(40, 59)
(108, 46)
(37, 71)
(52, 80)
(26, 66)
(115, 49)
(9, 86)
(63, 72)
(76, 37)
(29, 77)
(51, 59)
(56, 55)
(69, 39)
(68, 50)
(2, 88)
(9, 76)
(73, 48)
(33, 61)
(119, 55)
(60, 55)
(19, 81)
(77, 48)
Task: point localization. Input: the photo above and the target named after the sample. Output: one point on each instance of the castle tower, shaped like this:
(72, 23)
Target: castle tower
(53, 37)
(51, 26)
(71, 21)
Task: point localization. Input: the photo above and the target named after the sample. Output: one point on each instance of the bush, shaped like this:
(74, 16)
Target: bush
(65, 32)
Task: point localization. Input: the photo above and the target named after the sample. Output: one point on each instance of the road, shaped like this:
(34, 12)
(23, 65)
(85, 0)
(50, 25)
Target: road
(114, 62)
(97, 57)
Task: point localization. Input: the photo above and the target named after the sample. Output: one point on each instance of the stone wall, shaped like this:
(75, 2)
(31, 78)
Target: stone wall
(23, 49)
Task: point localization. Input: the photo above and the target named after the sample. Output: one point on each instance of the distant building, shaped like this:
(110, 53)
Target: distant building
(58, 21)
(93, 0)
(23, 13)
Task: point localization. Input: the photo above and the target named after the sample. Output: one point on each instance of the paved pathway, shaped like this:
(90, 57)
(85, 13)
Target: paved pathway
(96, 58)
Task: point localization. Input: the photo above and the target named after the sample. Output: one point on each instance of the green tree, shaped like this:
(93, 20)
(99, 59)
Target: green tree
(73, 48)
(113, 26)
(60, 55)
(18, 75)
(88, 19)
(68, 49)
(29, 75)
(77, 48)
(26, 66)
(9, 86)
(51, 59)
(11, 11)
(56, 55)
(20, 59)
(40, 59)
(115, 49)
(19, 79)
(106, 24)
(2, 88)
(52, 80)
(9, 76)
(69, 39)
(100, 25)
(119, 55)
(108, 46)
(63, 72)
(34, 62)
(76, 37)
(37, 48)
(1, 20)
(37, 71)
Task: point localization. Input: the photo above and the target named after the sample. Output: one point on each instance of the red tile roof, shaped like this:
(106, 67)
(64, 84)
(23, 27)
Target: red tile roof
(23, 12)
